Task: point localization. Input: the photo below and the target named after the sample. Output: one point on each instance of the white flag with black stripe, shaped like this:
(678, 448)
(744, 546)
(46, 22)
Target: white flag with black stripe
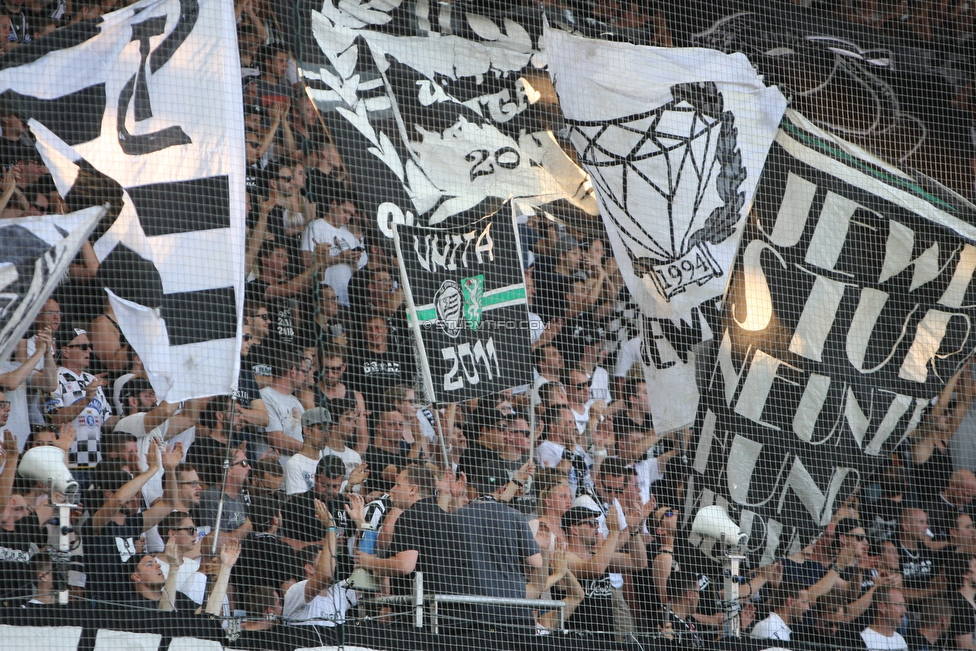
(149, 98)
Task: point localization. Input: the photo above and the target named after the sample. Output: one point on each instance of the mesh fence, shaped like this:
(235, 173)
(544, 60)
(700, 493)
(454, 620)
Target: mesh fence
(409, 325)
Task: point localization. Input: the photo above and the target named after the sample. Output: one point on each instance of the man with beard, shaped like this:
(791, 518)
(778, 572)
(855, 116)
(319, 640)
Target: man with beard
(111, 533)
(299, 526)
(334, 388)
(146, 421)
(249, 401)
(234, 523)
(222, 425)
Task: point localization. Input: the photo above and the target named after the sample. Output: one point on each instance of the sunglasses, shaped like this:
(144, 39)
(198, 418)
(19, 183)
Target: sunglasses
(580, 386)
(81, 347)
(285, 178)
(189, 483)
(859, 537)
(264, 316)
(244, 464)
(248, 337)
(667, 514)
(333, 369)
(190, 530)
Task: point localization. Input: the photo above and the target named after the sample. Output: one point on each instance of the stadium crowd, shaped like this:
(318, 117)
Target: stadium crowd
(328, 459)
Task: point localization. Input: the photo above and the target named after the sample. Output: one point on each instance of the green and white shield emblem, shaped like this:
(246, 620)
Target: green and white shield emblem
(474, 293)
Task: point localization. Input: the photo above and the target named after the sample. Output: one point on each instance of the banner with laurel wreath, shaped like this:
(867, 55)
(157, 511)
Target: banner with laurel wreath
(674, 143)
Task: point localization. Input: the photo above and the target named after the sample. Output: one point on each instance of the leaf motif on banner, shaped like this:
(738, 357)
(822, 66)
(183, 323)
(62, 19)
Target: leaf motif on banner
(721, 223)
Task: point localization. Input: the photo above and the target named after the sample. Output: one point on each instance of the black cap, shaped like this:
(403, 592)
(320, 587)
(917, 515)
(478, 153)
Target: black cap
(134, 386)
(578, 514)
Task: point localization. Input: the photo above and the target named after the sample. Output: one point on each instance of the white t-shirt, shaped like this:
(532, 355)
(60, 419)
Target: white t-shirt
(323, 610)
(875, 641)
(549, 455)
(350, 458)
(284, 415)
(300, 474)
(336, 276)
(616, 579)
(772, 628)
(185, 574)
(628, 355)
(135, 424)
(600, 385)
(18, 422)
(582, 420)
(648, 472)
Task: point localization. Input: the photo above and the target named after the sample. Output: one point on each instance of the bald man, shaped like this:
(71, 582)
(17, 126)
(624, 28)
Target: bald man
(955, 499)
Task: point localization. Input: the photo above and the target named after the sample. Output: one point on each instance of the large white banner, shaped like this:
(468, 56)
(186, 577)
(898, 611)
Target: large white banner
(149, 97)
(674, 140)
(436, 114)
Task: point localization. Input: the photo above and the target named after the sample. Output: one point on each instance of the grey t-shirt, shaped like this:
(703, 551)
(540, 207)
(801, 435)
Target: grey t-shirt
(231, 518)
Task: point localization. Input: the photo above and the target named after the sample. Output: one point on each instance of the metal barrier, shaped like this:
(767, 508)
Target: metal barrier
(417, 601)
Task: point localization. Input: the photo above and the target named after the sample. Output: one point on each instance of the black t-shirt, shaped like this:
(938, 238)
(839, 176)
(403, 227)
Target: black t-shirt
(378, 460)
(550, 293)
(963, 617)
(932, 477)
(281, 328)
(265, 561)
(881, 519)
(373, 373)
(105, 555)
(247, 387)
(298, 522)
(942, 517)
(595, 612)
(432, 532)
(322, 188)
(918, 567)
(17, 548)
(918, 642)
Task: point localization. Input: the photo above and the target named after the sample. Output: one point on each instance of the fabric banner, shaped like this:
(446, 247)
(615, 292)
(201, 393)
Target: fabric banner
(35, 253)
(849, 307)
(467, 306)
(674, 141)
(157, 112)
(437, 114)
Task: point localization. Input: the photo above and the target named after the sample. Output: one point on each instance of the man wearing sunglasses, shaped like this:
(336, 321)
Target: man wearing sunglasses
(79, 399)
(178, 527)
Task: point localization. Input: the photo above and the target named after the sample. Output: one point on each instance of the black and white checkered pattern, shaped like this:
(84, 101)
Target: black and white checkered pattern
(88, 425)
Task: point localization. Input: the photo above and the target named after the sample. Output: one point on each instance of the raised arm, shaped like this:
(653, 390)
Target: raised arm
(324, 568)
(9, 453)
(129, 490)
(164, 506)
(229, 553)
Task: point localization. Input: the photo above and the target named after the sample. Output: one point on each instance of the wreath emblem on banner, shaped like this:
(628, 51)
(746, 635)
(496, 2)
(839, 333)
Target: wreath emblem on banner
(656, 171)
(448, 302)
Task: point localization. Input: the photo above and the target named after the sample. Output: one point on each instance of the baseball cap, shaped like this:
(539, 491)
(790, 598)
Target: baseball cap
(578, 514)
(316, 416)
(566, 243)
(134, 386)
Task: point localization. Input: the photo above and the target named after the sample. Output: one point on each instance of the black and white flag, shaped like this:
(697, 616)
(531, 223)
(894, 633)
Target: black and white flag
(467, 306)
(850, 305)
(436, 114)
(149, 96)
(674, 140)
(35, 253)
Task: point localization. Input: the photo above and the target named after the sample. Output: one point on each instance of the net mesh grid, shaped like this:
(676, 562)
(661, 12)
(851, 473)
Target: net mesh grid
(409, 325)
